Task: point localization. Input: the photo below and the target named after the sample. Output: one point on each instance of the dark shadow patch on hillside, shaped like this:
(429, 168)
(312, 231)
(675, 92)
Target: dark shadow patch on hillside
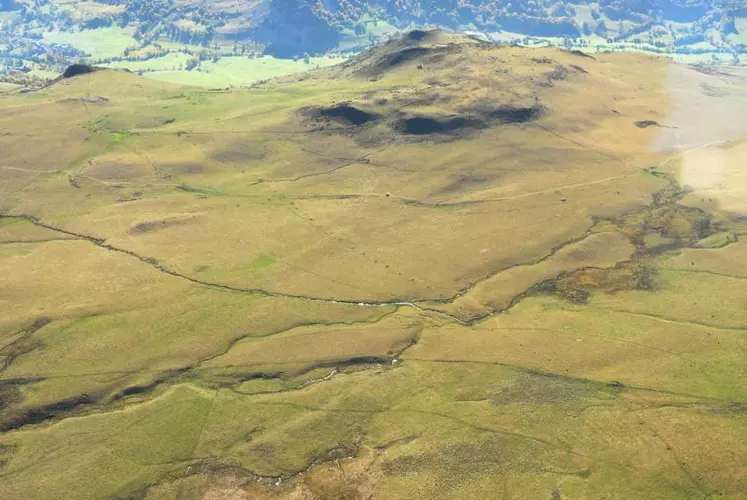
(156, 225)
(184, 168)
(44, 413)
(355, 361)
(135, 390)
(417, 35)
(391, 60)
(355, 121)
(10, 394)
(559, 73)
(466, 181)
(24, 344)
(155, 122)
(91, 99)
(240, 152)
(345, 114)
(425, 125)
(475, 118)
(78, 69)
(647, 123)
(16, 418)
(579, 68)
(378, 61)
(514, 114)
(406, 55)
(582, 54)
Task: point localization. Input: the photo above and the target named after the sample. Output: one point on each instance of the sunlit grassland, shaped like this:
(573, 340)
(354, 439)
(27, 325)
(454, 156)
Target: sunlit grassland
(498, 291)
(232, 71)
(232, 296)
(508, 422)
(101, 42)
(114, 333)
(7, 87)
(698, 297)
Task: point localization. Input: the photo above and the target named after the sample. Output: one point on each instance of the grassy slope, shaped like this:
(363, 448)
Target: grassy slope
(233, 71)
(169, 194)
(228, 71)
(101, 42)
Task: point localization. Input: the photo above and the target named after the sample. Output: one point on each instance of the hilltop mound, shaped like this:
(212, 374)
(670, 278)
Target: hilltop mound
(79, 69)
(424, 47)
(467, 86)
(76, 70)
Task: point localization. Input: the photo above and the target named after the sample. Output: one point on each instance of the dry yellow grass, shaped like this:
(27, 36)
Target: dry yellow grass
(250, 294)
(497, 292)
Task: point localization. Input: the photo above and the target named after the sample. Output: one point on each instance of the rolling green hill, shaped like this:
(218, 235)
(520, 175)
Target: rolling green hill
(441, 269)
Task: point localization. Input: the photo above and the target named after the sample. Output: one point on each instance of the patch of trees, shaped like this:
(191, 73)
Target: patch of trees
(689, 39)
(190, 36)
(538, 26)
(634, 30)
(98, 22)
